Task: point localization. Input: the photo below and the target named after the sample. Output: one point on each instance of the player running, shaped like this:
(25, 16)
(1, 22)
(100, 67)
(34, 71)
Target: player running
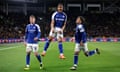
(81, 42)
(32, 35)
(58, 24)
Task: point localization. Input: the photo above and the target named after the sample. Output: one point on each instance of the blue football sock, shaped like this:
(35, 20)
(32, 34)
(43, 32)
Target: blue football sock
(46, 45)
(39, 58)
(91, 53)
(60, 47)
(27, 59)
(76, 59)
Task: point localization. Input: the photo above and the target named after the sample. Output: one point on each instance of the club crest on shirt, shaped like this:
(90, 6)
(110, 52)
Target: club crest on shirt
(33, 27)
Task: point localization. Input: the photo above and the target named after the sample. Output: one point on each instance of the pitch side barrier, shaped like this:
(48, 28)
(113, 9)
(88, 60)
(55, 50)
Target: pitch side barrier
(13, 40)
(72, 39)
(66, 39)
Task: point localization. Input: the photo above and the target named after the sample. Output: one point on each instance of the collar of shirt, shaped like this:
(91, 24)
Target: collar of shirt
(32, 24)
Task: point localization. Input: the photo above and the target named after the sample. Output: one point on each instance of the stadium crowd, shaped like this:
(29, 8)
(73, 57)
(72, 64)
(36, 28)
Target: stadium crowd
(11, 26)
(97, 24)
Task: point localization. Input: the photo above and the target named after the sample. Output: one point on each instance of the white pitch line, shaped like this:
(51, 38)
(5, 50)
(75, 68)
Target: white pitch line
(9, 48)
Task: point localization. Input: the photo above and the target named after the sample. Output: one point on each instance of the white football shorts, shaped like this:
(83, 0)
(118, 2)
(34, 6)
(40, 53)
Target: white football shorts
(56, 33)
(79, 48)
(32, 47)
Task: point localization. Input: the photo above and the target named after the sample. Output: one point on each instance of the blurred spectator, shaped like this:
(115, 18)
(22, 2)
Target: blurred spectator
(98, 25)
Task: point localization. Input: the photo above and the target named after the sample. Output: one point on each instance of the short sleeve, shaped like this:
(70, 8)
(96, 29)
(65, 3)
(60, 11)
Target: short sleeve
(38, 28)
(53, 15)
(65, 16)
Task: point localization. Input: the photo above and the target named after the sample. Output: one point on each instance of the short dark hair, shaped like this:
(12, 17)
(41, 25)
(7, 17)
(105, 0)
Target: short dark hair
(60, 4)
(82, 19)
(32, 16)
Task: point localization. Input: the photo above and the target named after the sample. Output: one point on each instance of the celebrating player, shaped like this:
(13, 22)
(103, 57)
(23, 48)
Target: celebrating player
(58, 24)
(81, 42)
(31, 41)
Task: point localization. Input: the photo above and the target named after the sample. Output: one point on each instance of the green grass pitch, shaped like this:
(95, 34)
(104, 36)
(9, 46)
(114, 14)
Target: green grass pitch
(12, 58)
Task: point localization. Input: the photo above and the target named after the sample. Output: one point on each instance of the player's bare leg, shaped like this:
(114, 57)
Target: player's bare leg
(60, 46)
(47, 45)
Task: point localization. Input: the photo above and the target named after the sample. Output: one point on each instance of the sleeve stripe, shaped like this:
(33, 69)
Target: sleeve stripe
(53, 15)
(65, 15)
(38, 27)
